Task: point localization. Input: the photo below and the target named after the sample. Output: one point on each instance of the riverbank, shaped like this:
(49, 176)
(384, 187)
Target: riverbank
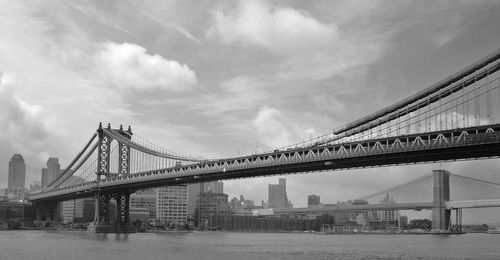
(392, 233)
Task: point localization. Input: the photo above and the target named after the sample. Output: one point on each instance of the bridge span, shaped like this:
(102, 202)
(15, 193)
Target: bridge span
(357, 207)
(454, 204)
(471, 204)
(455, 119)
(467, 143)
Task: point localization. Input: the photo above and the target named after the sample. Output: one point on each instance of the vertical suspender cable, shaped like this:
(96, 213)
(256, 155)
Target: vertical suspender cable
(456, 110)
(409, 121)
(498, 88)
(434, 113)
(477, 112)
(440, 111)
(488, 99)
(418, 118)
(463, 106)
(467, 108)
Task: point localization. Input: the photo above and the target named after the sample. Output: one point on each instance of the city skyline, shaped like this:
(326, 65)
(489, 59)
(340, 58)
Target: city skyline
(264, 92)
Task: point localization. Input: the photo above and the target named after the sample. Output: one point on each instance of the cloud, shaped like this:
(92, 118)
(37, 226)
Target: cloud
(17, 117)
(7, 78)
(26, 128)
(234, 96)
(274, 129)
(178, 28)
(307, 47)
(271, 127)
(282, 30)
(129, 66)
(345, 43)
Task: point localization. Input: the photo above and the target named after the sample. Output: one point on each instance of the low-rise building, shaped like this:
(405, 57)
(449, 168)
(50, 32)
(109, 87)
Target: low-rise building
(208, 205)
(139, 214)
(145, 199)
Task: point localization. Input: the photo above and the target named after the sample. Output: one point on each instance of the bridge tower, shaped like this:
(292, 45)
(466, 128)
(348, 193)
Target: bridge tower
(441, 194)
(103, 222)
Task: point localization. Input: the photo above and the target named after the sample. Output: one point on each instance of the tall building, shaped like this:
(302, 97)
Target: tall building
(313, 201)
(17, 172)
(171, 204)
(209, 204)
(144, 199)
(44, 178)
(195, 189)
(52, 171)
(277, 198)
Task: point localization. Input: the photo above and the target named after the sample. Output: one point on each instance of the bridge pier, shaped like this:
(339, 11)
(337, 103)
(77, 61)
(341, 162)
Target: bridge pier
(105, 221)
(441, 194)
(457, 227)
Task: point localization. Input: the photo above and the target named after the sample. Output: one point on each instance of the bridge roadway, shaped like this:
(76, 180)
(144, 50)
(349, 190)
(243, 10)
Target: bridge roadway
(355, 207)
(463, 204)
(470, 204)
(456, 144)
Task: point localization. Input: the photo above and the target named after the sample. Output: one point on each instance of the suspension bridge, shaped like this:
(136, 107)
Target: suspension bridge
(441, 204)
(457, 118)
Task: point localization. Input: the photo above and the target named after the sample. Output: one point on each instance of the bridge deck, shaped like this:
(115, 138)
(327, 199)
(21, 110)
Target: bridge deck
(358, 207)
(469, 204)
(456, 144)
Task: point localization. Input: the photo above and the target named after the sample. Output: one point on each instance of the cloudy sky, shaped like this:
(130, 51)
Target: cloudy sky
(222, 78)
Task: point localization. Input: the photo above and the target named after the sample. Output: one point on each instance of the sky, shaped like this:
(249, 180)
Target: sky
(222, 78)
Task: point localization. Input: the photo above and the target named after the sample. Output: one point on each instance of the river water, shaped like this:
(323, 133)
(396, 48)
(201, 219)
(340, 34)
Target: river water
(241, 246)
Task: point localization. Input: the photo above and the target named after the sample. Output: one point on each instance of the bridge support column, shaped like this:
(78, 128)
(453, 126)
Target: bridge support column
(103, 208)
(458, 221)
(441, 215)
(112, 223)
(122, 207)
(104, 223)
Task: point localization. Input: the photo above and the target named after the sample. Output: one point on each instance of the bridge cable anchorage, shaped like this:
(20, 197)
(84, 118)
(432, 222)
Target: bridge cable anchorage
(396, 188)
